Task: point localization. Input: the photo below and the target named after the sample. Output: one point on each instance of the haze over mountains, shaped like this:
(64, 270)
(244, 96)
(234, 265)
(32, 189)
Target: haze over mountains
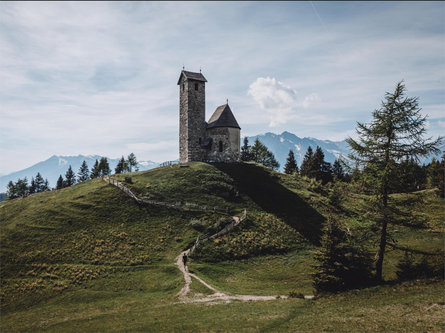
(58, 165)
(279, 144)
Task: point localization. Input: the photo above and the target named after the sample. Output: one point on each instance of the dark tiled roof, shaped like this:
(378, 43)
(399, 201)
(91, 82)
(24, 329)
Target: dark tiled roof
(192, 76)
(223, 117)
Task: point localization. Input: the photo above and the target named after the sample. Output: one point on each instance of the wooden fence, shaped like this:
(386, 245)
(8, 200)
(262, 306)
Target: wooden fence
(176, 205)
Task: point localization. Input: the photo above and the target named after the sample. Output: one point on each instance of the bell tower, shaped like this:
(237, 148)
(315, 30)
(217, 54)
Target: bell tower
(192, 125)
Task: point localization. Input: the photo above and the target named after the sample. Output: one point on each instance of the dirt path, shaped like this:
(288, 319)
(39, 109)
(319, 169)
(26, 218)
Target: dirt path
(217, 294)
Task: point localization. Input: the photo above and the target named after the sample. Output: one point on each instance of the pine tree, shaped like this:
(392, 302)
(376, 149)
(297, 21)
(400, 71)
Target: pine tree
(70, 178)
(131, 162)
(340, 263)
(32, 187)
(39, 183)
(433, 174)
(260, 154)
(396, 131)
(291, 165)
(305, 165)
(11, 191)
(84, 173)
(95, 171)
(319, 168)
(45, 186)
(121, 166)
(337, 170)
(21, 187)
(104, 167)
(245, 151)
(60, 183)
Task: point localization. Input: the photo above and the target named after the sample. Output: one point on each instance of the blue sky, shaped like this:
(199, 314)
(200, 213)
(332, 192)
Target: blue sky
(100, 77)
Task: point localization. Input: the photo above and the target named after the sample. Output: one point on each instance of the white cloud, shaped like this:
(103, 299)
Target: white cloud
(279, 100)
(441, 123)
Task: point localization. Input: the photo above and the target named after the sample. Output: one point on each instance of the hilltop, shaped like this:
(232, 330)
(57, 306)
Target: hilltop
(90, 258)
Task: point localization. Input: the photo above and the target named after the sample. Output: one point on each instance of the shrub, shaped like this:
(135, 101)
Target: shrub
(340, 263)
(427, 267)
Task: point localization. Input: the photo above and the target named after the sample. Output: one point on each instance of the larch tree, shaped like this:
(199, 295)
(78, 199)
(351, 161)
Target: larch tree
(95, 171)
(84, 173)
(396, 131)
(132, 162)
(60, 183)
(305, 165)
(121, 166)
(291, 165)
(70, 177)
(263, 156)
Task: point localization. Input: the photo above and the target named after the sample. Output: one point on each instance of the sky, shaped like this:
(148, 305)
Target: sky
(100, 77)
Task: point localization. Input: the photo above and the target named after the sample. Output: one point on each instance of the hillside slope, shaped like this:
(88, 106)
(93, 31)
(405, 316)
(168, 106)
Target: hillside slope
(74, 258)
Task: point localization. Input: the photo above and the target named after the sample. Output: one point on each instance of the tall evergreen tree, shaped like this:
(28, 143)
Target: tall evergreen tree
(291, 165)
(121, 166)
(21, 187)
(396, 131)
(262, 155)
(245, 151)
(104, 167)
(95, 171)
(337, 170)
(340, 263)
(84, 173)
(11, 191)
(32, 186)
(305, 165)
(39, 183)
(131, 162)
(60, 183)
(45, 186)
(70, 177)
(433, 174)
(319, 168)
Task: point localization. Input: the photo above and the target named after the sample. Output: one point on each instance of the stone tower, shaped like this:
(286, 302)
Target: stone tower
(192, 124)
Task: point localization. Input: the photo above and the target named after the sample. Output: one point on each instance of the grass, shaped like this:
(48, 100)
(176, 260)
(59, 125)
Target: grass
(88, 258)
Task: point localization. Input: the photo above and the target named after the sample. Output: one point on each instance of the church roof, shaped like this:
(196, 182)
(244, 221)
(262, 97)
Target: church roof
(223, 117)
(192, 76)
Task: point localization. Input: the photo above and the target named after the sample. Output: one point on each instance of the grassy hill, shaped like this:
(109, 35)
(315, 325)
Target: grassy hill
(89, 258)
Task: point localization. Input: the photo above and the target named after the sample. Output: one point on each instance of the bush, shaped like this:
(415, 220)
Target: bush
(426, 267)
(341, 263)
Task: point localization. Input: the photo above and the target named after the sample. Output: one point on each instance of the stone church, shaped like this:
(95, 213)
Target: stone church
(217, 140)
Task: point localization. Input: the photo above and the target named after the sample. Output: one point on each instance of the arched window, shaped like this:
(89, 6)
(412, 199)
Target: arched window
(220, 146)
(183, 87)
(196, 86)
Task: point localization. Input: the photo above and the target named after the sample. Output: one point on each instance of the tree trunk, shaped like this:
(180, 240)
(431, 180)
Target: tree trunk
(381, 251)
(383, 235)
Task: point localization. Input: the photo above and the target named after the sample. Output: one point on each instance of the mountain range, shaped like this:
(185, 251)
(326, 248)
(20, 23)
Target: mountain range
(58, 165)
(278, 144)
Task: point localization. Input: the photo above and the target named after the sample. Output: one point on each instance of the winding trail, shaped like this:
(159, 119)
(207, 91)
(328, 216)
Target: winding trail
(217, 295)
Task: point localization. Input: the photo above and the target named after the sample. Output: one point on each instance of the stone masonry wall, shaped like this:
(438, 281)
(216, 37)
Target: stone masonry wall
(192, 120)
(230, 138)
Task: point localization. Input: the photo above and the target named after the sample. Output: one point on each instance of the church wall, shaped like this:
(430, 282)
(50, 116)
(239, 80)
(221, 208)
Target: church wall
(192, 120)
(230, 138)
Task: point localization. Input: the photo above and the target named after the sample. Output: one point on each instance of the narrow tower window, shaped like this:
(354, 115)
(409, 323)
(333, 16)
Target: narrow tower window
(196, 86)
(183, 87)
(199, 141)
(220, 146)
